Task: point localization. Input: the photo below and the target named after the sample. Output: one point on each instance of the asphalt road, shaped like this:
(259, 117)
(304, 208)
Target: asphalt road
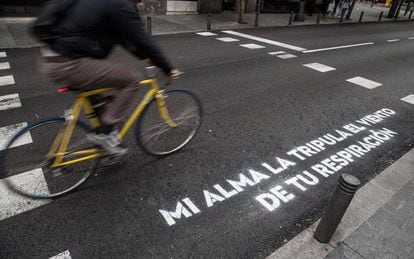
(257, 107)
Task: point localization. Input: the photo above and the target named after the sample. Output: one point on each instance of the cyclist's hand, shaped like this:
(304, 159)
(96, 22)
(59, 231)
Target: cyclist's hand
(175, 73)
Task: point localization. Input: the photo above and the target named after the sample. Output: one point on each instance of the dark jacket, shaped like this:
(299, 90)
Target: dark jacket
(91, 28)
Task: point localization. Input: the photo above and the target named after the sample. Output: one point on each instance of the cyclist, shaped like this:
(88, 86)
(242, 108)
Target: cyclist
(87, 33)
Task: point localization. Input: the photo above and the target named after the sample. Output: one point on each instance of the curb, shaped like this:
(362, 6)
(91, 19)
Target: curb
(368, 199)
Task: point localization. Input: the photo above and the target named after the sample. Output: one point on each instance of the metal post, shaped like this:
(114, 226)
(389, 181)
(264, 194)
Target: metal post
(340, 201)
(380, 16)
(290, 18)
(256, 21)
(318, 18)
(149, 25)
(360, 17)
(209, 22)
(411, 13)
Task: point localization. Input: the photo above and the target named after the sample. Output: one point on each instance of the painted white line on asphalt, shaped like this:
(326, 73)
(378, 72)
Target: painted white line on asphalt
(408, 99)
(277, 53)
(11, 203)
(364, 82)
(6, 80)
(411, 38)
(339, 47)
(4, 65)
(206, 34)
(270, 42)
(64, 255)
(3, 54)
(10, 101)
(394, 40)
(319, 67)
(227, 39)
(9, 131)
(287, 56)
(252, 46)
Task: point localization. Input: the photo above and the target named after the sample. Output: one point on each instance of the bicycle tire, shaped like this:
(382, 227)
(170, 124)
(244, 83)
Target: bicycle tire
(34, 178)
(179, 102)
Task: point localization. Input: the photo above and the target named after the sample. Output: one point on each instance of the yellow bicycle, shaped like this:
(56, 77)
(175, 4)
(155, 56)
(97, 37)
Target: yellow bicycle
(60, 158)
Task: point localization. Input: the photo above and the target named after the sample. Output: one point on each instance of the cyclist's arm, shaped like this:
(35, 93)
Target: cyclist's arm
(125, 21)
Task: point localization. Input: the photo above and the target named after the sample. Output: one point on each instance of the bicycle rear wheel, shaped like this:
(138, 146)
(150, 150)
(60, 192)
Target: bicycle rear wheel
(158, 138)
(25, 169)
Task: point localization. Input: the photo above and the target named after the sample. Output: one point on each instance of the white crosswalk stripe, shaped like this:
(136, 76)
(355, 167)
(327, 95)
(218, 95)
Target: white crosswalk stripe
(287, 56)
(227, 39)
(206, 34)
(408, 99)
(63, 255)
(4, 65)
(10, 101)
(369, 84)
(7, 80)
(277, 53)
(9, 131)
(252, 46)
(3, 54)
(319, 67)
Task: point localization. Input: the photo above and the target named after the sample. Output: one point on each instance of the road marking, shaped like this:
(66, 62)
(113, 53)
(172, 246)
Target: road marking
(4, 65)
(11, 203)
(6, 80)
(394, 40)
(270, 42)
(10, 101)
(252, 46)
(277, 53)
(339, 47)
(63, 255)
(408, 99)
(287, 56)
(319, 67)
(9, 131)
(364, 82)
(3, 54)
(227, 39)
(411, 38)
(206, 34)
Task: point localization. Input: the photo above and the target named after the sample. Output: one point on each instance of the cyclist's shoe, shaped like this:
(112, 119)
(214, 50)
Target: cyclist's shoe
(109, 142)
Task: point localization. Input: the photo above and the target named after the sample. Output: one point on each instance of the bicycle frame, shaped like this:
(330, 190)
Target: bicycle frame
(58, 150)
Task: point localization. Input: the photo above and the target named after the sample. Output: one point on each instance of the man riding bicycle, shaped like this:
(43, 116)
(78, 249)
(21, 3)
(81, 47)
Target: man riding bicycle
(76, 57)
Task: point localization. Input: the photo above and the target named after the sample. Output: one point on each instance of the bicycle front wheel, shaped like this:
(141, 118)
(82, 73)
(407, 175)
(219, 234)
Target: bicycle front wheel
(157, 137)
(26, 160)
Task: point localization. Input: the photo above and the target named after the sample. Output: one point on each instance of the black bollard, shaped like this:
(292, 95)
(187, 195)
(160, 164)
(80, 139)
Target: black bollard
(256, 21)
(340, 201)
(380, 16)
(209, 22)
(318, 18)
(149, 25)
(291, 18)
(361, 16)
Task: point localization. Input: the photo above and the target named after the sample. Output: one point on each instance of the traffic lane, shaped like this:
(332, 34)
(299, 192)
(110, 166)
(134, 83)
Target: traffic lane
(324, 36)
(389, 64)
(264, 119)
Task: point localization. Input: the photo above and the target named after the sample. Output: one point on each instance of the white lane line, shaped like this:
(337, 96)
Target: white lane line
(10, 101)
(339, 47)
(206, 34)
(4, 65)
(11, 203)
(227, 39)
(63, 255)
(319, 67)
(364, 82)
(394, 40)
(411, 38)
(3, 54)
(263, 40)
(277, 53)
(6, 80)
(408, 99)
(252, 46)
(9, 131)
(287, 56)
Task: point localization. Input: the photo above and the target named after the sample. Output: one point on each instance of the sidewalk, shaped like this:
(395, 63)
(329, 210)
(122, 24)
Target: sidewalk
(14, 32)
(378, 224)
